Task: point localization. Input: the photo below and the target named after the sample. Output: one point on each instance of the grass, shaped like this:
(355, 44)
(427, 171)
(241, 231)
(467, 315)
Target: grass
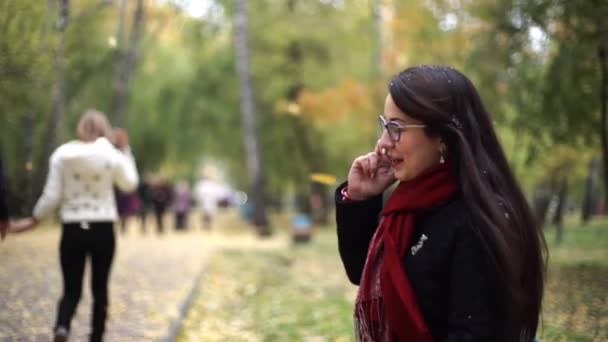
(295, 294)
(300, 293)
(576, 296)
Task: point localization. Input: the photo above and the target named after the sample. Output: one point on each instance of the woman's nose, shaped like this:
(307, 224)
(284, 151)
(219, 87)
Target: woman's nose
(385, 142)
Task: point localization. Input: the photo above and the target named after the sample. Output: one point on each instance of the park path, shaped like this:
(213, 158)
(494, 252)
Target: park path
(152, 279)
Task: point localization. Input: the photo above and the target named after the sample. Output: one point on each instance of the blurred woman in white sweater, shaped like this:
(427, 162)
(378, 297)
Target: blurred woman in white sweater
(82, 174)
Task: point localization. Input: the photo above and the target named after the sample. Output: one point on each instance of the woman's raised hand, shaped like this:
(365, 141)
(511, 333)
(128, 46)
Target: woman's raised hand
(120, 138)
(370, 175)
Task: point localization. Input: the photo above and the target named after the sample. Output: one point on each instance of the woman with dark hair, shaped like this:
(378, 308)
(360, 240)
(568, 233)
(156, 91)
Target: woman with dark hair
(455, 253)
(80, 183)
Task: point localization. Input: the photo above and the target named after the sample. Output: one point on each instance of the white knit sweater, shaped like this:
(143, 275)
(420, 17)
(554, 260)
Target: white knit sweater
(81, 179)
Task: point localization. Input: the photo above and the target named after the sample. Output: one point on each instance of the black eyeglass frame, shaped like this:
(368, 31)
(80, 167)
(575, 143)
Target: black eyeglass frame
(394, 129)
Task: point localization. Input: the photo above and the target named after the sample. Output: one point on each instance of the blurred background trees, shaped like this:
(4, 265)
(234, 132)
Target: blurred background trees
(167, 71)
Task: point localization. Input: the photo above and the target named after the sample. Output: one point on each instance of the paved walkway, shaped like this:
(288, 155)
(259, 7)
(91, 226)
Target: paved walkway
(151, 280)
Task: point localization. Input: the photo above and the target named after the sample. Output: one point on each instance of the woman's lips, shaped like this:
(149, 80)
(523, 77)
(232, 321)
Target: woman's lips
(396, 162)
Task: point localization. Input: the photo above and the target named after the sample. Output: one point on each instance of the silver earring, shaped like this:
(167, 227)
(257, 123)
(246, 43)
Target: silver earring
(441, 158)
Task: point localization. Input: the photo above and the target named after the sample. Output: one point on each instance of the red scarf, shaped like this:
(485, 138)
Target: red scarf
(386, 308)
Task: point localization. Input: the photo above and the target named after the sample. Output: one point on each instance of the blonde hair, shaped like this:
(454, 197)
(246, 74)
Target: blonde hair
(92, 125)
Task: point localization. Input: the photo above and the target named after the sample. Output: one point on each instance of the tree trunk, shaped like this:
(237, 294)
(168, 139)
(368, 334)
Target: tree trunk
(558, 218)
(126, 62)
(248, 115)
(307, 199)
(542, 199)
(57, 117)
(320, 203)
(603, 104)
(591, 191)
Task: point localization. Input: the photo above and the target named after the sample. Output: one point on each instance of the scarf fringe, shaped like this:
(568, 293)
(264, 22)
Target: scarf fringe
(368, 329)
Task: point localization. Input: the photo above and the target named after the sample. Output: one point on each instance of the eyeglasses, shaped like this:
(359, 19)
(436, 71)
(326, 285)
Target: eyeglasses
(394, 129)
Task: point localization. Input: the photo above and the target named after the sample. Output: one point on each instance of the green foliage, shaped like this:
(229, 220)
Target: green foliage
(535, 64)
(317, 55)
(25, 81)
(544, 56)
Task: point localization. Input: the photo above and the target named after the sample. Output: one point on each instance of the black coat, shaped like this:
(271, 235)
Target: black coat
(452, 282)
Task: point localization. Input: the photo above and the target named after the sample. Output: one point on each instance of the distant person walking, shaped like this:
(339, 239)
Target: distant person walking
(208, 194)
(144, 192)
(80, 182)
(127, 204)
(182, 202)
(161, 198)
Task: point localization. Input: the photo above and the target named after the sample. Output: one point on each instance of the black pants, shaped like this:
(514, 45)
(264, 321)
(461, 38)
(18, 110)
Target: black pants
(181, 219)
(159, 212)
(142, 217)
(78, 242)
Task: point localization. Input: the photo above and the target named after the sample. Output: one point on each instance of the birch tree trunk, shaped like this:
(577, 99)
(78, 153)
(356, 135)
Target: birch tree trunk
(57, 117)
(248, 115)
(602, 54)
(127, 59)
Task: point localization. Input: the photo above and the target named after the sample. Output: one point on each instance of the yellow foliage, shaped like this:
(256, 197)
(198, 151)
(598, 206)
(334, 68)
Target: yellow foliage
(323, 178)
(332, 104)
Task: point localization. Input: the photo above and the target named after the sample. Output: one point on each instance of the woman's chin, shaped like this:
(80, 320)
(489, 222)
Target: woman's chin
(401, 175)
(404, 174)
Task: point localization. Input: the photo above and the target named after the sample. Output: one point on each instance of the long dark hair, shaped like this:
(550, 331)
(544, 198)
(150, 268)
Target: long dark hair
(448, 103)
